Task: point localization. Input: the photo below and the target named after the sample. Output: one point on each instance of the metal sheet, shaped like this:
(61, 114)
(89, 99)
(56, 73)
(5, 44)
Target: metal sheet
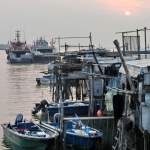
(147, 79)
(98, 87)
(136, 67)
(147, 98)
(145, 118)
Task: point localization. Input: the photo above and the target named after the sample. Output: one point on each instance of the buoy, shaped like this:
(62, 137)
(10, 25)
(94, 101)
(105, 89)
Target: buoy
(100, 113)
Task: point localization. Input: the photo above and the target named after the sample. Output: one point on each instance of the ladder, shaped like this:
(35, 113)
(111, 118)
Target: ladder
(117, 140)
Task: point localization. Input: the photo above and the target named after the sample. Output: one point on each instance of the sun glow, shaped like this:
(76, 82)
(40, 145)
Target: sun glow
(127, 13)
(121, 6)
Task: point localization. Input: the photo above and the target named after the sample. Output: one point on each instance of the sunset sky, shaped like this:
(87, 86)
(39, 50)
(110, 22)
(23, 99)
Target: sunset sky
(77, 18)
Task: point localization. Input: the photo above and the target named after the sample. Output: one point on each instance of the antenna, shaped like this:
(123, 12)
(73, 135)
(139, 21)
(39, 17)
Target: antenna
(10, 32)
(24, 34)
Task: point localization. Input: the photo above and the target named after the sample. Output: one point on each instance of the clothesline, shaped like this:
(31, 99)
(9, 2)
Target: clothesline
(120, 90)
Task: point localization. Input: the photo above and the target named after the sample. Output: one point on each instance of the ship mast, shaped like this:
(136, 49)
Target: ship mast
(18, 35)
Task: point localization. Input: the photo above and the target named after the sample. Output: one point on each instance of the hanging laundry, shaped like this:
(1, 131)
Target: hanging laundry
(108, 101)
(118, 105)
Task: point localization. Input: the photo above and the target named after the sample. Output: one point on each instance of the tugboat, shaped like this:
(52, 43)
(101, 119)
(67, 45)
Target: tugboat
(19, 52)
(42, 53)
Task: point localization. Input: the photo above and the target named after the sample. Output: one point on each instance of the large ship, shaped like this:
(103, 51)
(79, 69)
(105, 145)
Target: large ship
(42, 53)
(19, 52)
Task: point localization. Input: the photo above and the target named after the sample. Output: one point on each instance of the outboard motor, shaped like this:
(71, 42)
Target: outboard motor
(38, 108)
(19, 119)
(56, 117)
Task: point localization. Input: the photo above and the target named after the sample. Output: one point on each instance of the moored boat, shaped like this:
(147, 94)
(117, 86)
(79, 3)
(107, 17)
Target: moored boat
(28, 134)
(42, 53)
(70, 107)
(46, 80)
(19, 52)
(77, 134)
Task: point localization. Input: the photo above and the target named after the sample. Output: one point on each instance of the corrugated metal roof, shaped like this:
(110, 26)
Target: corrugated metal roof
(135, 67)
(107, 62)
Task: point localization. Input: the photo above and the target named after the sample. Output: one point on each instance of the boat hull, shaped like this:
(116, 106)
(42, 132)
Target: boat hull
(46, 81)
(21, 60)
(23, 140)
(80, 139)
(70, 109)
(44, 59)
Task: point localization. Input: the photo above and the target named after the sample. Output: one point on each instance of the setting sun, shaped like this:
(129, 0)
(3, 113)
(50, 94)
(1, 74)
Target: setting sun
(127, 13)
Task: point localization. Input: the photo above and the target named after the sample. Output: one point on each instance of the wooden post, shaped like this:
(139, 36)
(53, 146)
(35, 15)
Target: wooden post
(123, 43)
(53, 89)
(82, 97)
(123, 122)
(57, 85)
(145, 44)
(59, 46)
(138, 44)
(91, 95)
(124, 65)
(94, 55)
(64, 135)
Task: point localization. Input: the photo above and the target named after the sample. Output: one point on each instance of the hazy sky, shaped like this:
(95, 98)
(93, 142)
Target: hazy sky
(73, 18)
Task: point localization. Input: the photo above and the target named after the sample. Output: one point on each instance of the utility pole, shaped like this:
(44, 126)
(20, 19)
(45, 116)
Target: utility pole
(145, 44)
(124, 65)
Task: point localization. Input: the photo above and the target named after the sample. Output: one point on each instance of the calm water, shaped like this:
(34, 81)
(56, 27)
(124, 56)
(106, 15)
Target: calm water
(18, 93)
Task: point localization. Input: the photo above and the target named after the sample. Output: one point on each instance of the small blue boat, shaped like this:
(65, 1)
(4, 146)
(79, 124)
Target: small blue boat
(46, 80)
(28, 134)
(70, 107)
(77, 135)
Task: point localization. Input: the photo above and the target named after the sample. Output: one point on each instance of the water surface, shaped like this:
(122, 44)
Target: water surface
(18, 93)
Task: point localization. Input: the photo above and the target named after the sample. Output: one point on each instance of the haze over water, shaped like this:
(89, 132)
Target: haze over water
(65, 18)
(53, 19)
(19, 92)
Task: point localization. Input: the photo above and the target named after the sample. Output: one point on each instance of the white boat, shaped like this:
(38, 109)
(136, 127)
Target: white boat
(42, 53)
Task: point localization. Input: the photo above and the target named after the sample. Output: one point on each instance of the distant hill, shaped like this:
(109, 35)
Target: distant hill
(3, 46)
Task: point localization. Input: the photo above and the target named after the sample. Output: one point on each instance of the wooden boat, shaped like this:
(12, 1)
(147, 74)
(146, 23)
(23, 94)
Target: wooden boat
(77, 134)
(70, 107)
(28, 134)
